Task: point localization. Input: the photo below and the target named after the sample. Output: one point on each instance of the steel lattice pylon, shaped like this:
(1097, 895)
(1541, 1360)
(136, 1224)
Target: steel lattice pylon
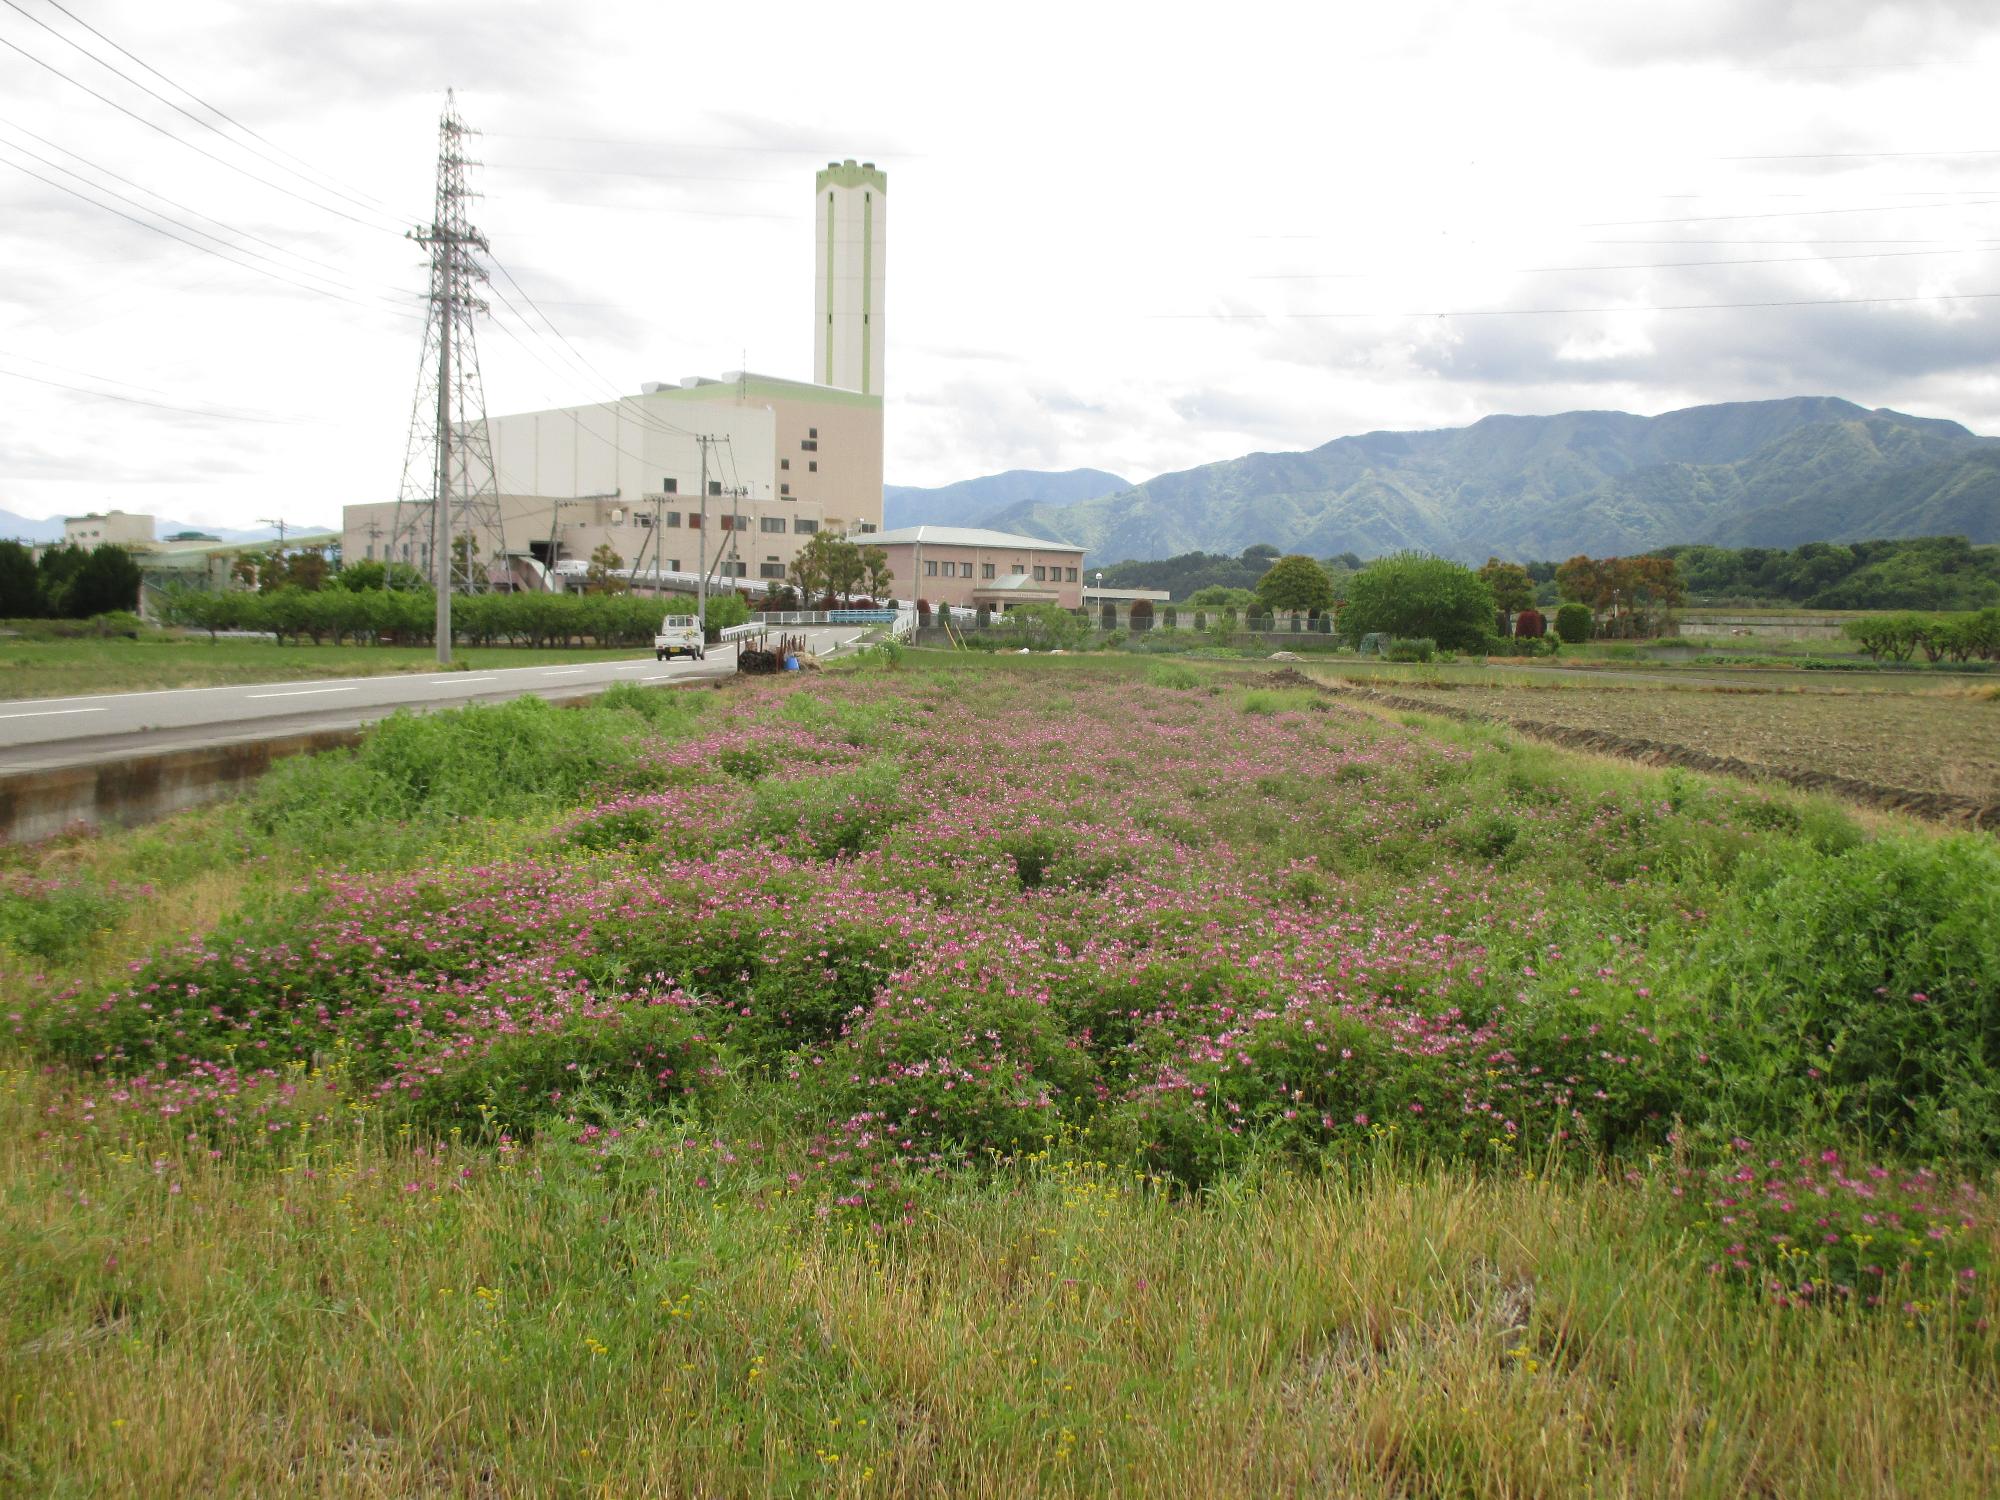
(450, 400)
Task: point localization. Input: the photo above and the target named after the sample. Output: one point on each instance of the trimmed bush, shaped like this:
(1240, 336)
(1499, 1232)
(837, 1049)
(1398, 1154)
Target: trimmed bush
(1573, 624)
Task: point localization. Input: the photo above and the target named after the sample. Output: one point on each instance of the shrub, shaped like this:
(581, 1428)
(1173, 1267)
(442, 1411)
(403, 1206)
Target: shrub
(1171, 674)
(1860, 992)
(1420, 649)
(1573, 624)
(484, 761)
(1413, 595)
(598, 1070)
(53, 919)
(1529, 624)
(832, 815)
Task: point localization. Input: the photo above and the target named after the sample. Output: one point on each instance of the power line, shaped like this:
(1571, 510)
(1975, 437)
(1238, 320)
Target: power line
(149, 192)
(191, 229)
(332, 184)
(1562, 312)
(191, 244)
(511, 166)
(658, 423)
(599, 140)
(182, 140)
(223, 416)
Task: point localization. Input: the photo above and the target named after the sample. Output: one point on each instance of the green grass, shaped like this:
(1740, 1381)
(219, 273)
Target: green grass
(60, 669)
(373, 1319)
(664, 1299)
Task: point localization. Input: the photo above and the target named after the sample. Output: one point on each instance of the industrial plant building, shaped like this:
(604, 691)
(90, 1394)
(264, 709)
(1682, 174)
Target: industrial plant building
(771, 461)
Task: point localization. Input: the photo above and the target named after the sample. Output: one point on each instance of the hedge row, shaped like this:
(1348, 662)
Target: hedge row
(1961, 637)
(408, 617)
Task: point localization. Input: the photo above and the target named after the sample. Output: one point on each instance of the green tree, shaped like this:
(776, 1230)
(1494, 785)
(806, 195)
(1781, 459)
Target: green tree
(875, 574)
(20, 584)
(307, 570)
(828, 564)
(1513, 589)
(57, 567)
(1295, 582)
(107, 581)
(1411, 594)
(1573, 623)
(604, 561)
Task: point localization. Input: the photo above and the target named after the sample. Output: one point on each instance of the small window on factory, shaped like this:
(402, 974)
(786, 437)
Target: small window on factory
(715, 486)
(771, 523)
(784, 463)
(813, 467)
(784, 489)
(803, 526)
(812, 432)
(809, 445)
(672, 518)
(965, 570)
(1041, 574)
(771, 570)
(986, 570)
(868, 526)
(670, 486)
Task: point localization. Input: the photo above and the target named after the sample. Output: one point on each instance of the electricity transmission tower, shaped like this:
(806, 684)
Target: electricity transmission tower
(449, 506)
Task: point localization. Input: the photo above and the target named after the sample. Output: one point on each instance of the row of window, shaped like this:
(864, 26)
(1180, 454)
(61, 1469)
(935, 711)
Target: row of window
(1043, 574)
(734, 521)
(812, 467)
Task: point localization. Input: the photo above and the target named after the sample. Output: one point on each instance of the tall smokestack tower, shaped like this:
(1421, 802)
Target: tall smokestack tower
(849, 252)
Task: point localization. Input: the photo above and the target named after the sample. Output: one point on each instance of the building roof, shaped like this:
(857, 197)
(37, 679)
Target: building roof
(966, 536)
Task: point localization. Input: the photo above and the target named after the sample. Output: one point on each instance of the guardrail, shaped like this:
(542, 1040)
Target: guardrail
(827, 616)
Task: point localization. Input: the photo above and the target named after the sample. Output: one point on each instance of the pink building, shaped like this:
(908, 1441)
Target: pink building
(970, 569)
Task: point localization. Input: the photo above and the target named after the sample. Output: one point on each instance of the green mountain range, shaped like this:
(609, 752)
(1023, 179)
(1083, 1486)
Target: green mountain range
(970, 501)
(1759, 473)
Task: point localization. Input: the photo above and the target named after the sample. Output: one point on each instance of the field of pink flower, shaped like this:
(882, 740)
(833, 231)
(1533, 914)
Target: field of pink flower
(830, 954)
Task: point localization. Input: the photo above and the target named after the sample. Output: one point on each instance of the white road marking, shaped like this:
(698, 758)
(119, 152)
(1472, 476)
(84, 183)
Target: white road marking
(305, 692)
(446, 681)
(635, 666)
(563, 671)
(43, 713)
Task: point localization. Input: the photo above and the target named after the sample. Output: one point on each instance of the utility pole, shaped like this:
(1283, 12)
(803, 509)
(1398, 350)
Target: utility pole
(280, 524)
(701, 563)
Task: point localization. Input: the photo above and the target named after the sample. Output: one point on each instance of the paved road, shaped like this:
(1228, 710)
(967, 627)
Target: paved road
(41, 733)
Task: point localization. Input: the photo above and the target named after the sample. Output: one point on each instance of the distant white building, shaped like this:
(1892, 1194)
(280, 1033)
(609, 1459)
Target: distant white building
(118, 528)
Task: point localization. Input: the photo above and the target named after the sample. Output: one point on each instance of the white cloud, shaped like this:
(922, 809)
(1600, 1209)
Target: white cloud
(1076, 190)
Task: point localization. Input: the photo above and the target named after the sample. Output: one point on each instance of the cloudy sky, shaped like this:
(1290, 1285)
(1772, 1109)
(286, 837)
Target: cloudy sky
(1131, 237)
